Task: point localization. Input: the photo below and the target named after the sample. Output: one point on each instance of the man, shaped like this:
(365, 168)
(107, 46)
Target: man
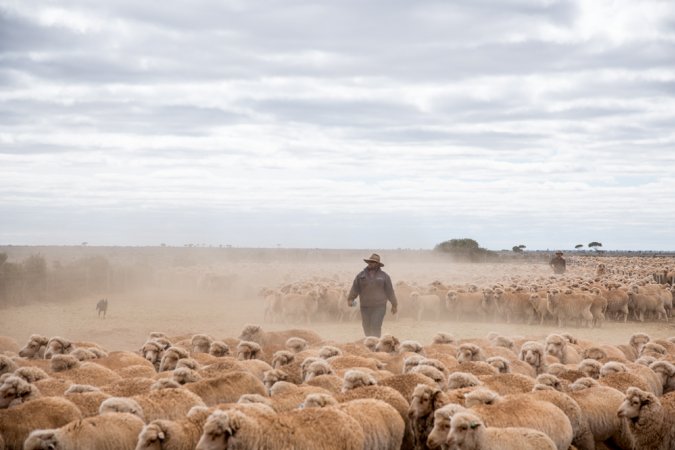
(558, 263)
(373, 286)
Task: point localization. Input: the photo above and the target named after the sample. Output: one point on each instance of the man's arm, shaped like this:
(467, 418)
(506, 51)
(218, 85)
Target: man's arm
(354, 291)
(391, 295)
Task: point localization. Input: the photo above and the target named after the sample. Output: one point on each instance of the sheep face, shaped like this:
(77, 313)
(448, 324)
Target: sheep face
(59, 363)
(410, 347)
(465, 431)
(273, 376)
(218, 349)
(422, 402)
(319, 401)
(387, 344)
(532, 354)
(248, 350)
(371, 343)
(432, 373)
(469, 352)
(555, 346)
(411, 361)
(152, 351)
(590, 368)
(6, 365)
(282, 358)
(296, 344)
(355, 378)
(152, 437)
(14, 391)
(666, 373)
(320, 367)
(58, 346)
(594, 353)
(442, 423)
(329, 352)
(612, 367)
(220, 431)
(42, 440)
(549, 380)
(501, 364)
(201, 343)
(460, 380)
(32, 348)
(635, 400)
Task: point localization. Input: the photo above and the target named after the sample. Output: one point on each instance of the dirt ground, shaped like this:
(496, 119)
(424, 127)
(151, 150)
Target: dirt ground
(176, 304)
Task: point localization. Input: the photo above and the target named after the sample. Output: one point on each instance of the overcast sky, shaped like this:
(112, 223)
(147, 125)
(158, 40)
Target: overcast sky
(338, 124)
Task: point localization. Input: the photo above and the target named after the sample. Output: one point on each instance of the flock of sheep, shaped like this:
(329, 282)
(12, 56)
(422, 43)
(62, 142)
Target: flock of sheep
(293, 390)
(591, 292)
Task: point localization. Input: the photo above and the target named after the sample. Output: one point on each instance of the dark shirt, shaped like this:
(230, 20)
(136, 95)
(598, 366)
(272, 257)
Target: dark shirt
(373, 287)
(558, 263)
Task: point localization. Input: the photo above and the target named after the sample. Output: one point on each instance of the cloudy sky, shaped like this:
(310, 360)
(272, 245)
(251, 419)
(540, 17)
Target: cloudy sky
(338, 124)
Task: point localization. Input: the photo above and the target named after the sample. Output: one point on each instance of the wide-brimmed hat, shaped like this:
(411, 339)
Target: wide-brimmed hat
(374, 258)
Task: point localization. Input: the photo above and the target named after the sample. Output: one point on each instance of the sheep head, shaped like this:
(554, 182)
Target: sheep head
(121, 405)
(16, 390)
(533, 353)
(460, 380)
(319, 401)
(318, 367)
(251, 333)
(549, 380)
(424, 401)
(500, 363)
(443, 338)
(635, 400)
(480, 396)
(248, 350)
(370, 342)
(220, 428)
(58, 346)
(296, 344)
(387, 344)
(201, 343)
(590, 368)
(41, 440)
(466, 430)
(219, 348)
(442, 423)
(469, 352)
(410, 346)
(32, 348)
(355, 379)
(328, 351)
(59, 363)
(612, 367)
(282, 358)
(555, 346)
(273, 376)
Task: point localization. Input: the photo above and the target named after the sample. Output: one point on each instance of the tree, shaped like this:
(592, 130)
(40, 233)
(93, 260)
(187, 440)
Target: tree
(578, 246)
(464, 249)
(594, 245)
(518, 248)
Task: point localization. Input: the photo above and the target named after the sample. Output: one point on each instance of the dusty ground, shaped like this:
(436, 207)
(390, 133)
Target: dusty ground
(176, 304)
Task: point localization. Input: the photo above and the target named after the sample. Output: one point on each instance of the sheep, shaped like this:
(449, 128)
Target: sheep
(460, 380)
(616, 375)
(642, 303)
(558, 346)
(599, 405)
(67, 367)
(331, 383)
(353, 361)
(442, 420)
(431, 372)
(317, 428)
(388, 344)
(7, 365)
(219, 349)
(406, 383)
(470, 352)
(329, 351)
(282, 358)
(370, 342)
(583, 438)
(461, 303)
(468, 432)
(533, 352)
(514, 304)
(226, 388)
(574, 306)
(666, 372)
(249, 350)
(443, 338)
(83, 354)
(318, 367)
(477, 368)
(170, 357)
(35, 347)
(427, 304)
(200, 343)
(184, 375)
(424, 401)
(169, 404)
(152, 351)
(522, 411)
(113, 431)
(15, 390)
(296, 344)
(58, 346)
(128, 387)
(46, 412)
(383, 427)
(511, 383)
(410, 346)
(87, 398)
(650, 420)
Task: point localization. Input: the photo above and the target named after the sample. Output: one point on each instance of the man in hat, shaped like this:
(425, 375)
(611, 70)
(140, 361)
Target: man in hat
(558, 263)
(373, 286)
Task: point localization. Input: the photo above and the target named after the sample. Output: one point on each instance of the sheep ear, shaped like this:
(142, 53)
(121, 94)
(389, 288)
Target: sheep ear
(161, 436)
(474, 425)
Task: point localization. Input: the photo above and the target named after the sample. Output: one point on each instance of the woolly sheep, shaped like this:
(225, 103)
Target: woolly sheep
(442, 420)
(330, 429)
(35, 347)
(406, 383)
(329, 351)
(226, 388)
(370, 342)
(470, 352)
(522, 411)
(170, 357)
(165, 403)
(468, 432)
(15, 390)
(651, 420)
(200, 343)
(388, 344)
(424, 402)
(557, 346)
(296, 344)
(318, 367)
(666, 372)
(248, 350)
(533, 352)
(431, 372)
(87, 398)
(114, 431)
(121, 405)
(7, 365)
(270, 339)
(219, 349)
(282, 358)
(46, 412)
(383, 427)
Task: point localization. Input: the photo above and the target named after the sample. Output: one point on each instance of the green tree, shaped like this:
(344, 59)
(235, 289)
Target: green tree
(594, 245)
(578, 246)
(466, 249)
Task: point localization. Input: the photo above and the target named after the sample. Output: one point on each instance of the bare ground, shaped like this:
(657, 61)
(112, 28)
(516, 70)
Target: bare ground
(132, 317)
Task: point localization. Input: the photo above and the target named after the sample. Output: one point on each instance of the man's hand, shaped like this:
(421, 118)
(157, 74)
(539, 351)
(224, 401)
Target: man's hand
(351, 303)
(394, 309)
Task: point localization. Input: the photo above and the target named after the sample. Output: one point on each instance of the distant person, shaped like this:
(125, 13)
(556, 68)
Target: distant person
(558, 263)
(373, 286)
